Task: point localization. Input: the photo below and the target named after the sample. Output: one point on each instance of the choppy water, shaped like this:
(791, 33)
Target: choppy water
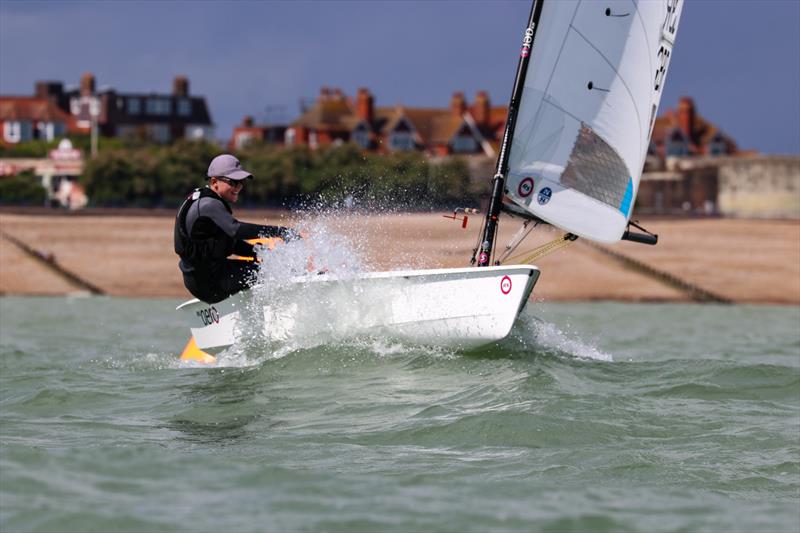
(600, 417)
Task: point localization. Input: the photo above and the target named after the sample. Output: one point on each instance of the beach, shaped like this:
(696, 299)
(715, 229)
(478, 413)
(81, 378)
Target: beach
(130, 254)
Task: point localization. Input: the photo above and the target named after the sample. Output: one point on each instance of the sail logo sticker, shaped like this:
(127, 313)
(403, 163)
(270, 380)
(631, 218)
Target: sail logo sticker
(527, 40)
(483, 258)
(525, 187)
(505, 285)
(544, 195)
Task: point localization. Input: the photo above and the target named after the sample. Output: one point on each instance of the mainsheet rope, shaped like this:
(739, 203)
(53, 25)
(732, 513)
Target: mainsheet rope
(543, 250)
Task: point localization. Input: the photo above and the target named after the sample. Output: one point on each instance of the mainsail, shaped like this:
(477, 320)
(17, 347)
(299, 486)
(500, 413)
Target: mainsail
(588, 104)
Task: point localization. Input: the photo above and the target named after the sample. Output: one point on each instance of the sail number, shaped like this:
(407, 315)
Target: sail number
(208, 316)
(665, 45)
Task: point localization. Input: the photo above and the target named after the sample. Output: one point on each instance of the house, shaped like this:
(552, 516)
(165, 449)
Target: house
(683, 132)
(28, 118)
(247, 133)
(148, 116)
(460, 129)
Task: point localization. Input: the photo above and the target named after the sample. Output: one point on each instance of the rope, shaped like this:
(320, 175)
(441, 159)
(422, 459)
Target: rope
(543, 250)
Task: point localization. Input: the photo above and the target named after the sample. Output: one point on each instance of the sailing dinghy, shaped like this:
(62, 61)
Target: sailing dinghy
(588, 84)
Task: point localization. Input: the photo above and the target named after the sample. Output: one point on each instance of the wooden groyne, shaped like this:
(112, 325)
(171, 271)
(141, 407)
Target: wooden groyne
(695, 292)
(49, 261)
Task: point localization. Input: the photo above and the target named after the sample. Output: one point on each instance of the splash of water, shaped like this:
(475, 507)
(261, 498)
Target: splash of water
(533, 333)
(276, 300)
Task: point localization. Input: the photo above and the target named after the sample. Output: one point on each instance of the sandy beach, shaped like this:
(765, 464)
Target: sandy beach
(744, 261)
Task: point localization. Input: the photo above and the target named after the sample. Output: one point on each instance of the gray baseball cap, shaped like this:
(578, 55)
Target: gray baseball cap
(227, 166)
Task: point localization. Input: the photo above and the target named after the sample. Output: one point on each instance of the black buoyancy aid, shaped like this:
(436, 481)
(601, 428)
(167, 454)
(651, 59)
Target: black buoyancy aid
(200, 252)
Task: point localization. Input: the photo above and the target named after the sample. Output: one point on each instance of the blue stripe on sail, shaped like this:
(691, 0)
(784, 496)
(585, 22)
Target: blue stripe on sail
(627, 199)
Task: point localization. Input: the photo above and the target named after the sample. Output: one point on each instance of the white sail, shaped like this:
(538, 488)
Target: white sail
(590, 98)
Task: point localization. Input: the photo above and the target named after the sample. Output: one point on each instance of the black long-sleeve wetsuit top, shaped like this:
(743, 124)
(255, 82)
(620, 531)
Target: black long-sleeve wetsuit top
(206, 221)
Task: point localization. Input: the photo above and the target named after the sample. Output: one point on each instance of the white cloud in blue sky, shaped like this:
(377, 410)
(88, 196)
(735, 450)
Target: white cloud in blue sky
(739, 60)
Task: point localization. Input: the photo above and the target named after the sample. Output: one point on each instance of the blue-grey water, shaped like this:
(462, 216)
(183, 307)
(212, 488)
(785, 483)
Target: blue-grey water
(591, 417)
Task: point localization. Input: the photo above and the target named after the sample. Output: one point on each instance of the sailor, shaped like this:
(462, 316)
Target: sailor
(206, 233)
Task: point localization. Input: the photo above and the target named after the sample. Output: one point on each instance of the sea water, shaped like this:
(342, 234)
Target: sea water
(589, 417)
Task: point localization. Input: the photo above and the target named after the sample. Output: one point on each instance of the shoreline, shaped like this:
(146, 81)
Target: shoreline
(130, 255)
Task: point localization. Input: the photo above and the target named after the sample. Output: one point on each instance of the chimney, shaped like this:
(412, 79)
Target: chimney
(247, 122)
(364, 105)
(686, 117)
(324, 92)
(338, 94)
(481, 110)
(458, 104)
(180, 86)
(87, 84)
(49, 89)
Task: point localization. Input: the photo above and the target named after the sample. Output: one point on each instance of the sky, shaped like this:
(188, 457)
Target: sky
(739, 60)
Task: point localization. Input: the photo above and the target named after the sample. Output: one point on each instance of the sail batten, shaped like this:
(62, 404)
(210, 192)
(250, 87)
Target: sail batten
(586, 112)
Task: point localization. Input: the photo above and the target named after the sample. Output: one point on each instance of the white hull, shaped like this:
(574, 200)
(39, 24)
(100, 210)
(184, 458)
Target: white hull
(455, 307)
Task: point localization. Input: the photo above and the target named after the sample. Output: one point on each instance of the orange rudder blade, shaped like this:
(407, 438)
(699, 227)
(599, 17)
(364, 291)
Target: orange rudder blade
(192, 353)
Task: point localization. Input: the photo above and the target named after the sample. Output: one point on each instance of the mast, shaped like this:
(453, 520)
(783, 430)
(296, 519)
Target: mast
(486, 245)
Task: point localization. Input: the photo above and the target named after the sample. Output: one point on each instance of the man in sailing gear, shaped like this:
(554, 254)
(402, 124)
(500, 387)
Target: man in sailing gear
(206, 233)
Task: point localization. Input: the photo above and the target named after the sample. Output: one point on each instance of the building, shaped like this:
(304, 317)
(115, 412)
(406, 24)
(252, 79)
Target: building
(247, 133)
(58, 172)
(683, 132)
(29, 118)
(155, 117)
(334, 118)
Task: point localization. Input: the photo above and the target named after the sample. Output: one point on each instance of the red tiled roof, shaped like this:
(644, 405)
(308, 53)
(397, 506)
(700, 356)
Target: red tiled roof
(702, 132)
(31, 108)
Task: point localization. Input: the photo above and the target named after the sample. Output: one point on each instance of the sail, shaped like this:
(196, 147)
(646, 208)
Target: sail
(590, 98)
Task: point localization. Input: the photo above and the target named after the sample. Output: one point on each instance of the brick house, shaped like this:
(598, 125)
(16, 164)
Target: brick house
(28, 118)
(683, 132)
(148, 116)
(460, 129)
(247, 132)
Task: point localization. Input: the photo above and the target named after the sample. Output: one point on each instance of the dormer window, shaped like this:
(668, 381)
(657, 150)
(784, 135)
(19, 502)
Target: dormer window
(464, 142)
(158, 106)
(401, 138)
(134, 106)
(677, 145)
(718, 146)
(184, 107)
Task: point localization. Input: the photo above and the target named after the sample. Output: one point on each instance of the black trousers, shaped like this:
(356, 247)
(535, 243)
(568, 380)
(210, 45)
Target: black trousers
(232, 276)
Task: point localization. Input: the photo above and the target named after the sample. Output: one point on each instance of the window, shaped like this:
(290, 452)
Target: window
(184, 107)
(158, 106)
(198, 132)
(717, 146)
(289, 137)
(361, 136)
(160, 133)
(464, 144)
(676, 145)
(401, 140)
(134, 106)
(313, 142)
(126, 131)
(12, 132)
(45, 130)
(243, 139)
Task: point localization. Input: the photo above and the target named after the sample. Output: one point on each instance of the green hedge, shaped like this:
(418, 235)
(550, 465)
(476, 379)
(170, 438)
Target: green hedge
(163, 175)
(22, 189)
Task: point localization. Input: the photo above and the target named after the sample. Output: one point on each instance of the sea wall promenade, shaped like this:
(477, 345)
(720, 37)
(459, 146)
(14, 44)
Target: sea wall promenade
(126, 253)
